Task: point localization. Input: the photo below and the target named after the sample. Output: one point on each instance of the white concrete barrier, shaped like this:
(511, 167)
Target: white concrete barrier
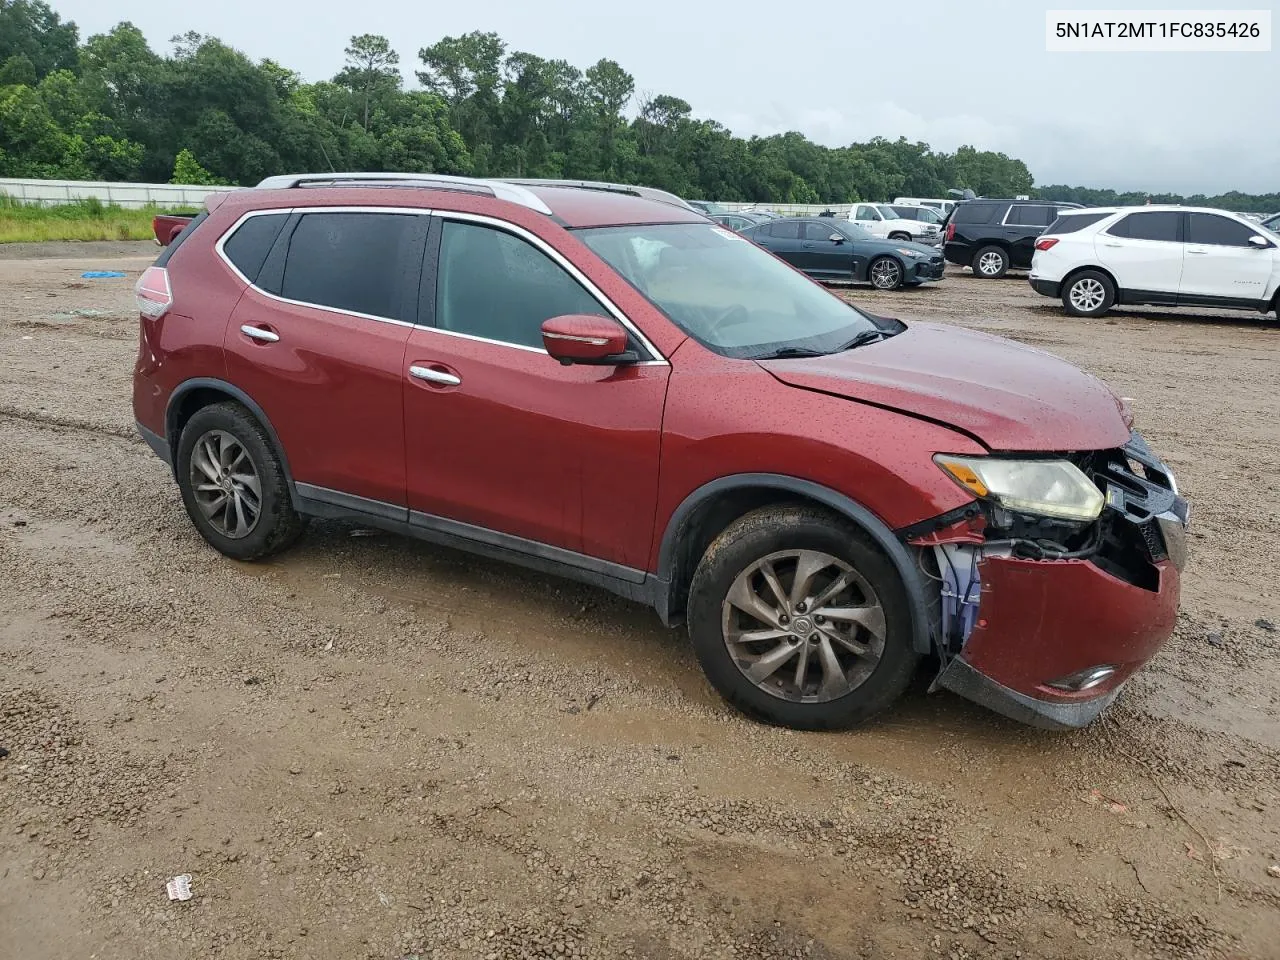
(135, 195)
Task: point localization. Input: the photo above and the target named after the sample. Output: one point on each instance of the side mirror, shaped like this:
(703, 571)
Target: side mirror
(586, 339)
(1258, 243)
(836, 238)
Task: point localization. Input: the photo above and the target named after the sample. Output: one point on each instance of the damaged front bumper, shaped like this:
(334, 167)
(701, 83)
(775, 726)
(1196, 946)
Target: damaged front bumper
(1050, 641)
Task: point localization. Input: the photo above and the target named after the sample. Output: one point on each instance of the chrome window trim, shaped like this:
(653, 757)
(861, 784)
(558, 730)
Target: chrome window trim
(658, 359)
(219, 248)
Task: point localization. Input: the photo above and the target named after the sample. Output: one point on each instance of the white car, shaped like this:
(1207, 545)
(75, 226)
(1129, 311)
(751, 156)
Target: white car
(943, 207)
(1096, 258)
(881, 220)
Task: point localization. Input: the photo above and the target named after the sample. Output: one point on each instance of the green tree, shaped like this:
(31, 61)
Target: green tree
(31, 30)
(371, 65)
(187, 171)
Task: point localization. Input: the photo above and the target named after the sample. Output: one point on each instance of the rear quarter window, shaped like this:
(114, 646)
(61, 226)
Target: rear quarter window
(1075, 222)
(249, 245)
(975, 212)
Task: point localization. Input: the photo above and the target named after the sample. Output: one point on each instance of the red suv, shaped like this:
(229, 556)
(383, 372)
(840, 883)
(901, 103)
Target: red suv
(607, 386)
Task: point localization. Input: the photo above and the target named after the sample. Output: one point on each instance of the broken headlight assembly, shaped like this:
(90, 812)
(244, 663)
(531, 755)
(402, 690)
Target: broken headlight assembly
(1045, 488)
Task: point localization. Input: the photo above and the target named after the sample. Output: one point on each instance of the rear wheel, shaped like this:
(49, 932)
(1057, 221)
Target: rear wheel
(899, 235)
(233, 484)
(797, 621)
(885, 273)
(1089, 293)
(990, 263)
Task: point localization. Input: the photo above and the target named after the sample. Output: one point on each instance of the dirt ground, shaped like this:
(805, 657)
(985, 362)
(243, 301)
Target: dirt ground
(371, 748)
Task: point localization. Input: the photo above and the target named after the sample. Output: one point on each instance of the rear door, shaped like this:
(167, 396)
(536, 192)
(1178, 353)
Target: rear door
(1220, 262)
(1143, 251)
(1023, 224)
(318, 339)
(783, 238)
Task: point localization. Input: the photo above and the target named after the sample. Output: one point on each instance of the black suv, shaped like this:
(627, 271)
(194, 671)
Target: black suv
(993, 235)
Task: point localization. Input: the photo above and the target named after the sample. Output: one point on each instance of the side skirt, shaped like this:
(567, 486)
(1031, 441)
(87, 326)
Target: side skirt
(626, 582)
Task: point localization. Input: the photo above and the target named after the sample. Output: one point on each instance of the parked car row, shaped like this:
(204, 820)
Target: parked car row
(829, 248)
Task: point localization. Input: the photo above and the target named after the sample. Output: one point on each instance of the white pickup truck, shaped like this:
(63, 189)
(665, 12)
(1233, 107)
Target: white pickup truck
(881, 220)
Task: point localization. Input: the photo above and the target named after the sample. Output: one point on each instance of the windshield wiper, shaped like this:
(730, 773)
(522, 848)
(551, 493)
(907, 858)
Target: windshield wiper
(789, 352)
(865, 337)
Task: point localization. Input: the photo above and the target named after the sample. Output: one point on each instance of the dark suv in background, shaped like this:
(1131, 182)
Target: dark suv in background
(993, 235)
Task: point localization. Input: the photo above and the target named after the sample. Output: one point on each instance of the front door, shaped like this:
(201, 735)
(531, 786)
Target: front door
(503, 443)
(318, 343)
(822, 256)
(1221, 264)
(782, 238)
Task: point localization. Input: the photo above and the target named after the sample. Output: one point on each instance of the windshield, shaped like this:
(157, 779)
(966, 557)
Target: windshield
(725, 292)
(888, 212)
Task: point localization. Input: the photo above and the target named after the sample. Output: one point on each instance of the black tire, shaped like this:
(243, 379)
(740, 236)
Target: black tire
(899, 235)
(1089, 293)
(761, 534)
(990, 263)
(892, 280)
(277, 524)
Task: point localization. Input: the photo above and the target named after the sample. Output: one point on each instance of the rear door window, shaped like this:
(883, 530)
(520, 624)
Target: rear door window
(365, 263)
(1030, 215)
(785, 230)
(1164, 225)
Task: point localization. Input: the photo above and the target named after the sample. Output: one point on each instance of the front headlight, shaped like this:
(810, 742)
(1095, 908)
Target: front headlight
(1051, 488)
(909, 253)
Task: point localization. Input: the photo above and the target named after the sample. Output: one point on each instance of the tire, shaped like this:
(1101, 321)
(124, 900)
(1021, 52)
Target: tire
(227, 433)
(899, 235)
(885, 273)
(990, 263)
(732, 568)
(1090, 293)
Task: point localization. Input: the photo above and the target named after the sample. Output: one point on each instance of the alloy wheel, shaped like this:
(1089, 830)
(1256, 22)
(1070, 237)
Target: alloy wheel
(226, 484)
(990, 264)
(1087, 295)
(803, 626)
(885, 274)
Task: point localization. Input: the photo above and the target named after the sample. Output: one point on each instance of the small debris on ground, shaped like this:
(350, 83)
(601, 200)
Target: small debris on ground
(101, 274)
(1266, 625)
(179, 888)
(1274, 871)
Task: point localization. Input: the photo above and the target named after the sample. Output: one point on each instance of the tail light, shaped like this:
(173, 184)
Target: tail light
(153, 293)
(951, 231)
(1046, 243)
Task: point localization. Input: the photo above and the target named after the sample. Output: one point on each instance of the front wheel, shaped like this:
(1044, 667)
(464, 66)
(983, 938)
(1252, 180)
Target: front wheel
(798, 621)
(990, 263)
(899, 235)
(1089, 293)
(885, 273)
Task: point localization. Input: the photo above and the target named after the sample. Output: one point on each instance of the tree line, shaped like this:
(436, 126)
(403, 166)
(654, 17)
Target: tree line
(111, 108)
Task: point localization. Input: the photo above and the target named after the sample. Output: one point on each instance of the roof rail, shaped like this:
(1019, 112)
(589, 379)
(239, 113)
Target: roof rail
(500, 189)
(648, 193)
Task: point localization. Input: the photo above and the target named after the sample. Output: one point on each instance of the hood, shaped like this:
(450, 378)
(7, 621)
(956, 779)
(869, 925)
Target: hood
(1009, 396)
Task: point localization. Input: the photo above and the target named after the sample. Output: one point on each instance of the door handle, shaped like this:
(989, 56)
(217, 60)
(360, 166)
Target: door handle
(1113, 244)
(1195, 252)
(257, 333)
(434, 376)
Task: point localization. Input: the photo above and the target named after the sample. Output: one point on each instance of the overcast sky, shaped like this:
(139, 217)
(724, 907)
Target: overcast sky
(941, 71)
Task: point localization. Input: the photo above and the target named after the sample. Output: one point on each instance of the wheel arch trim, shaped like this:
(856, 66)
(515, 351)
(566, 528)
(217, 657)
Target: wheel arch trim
(233, 393)
(880, 533)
